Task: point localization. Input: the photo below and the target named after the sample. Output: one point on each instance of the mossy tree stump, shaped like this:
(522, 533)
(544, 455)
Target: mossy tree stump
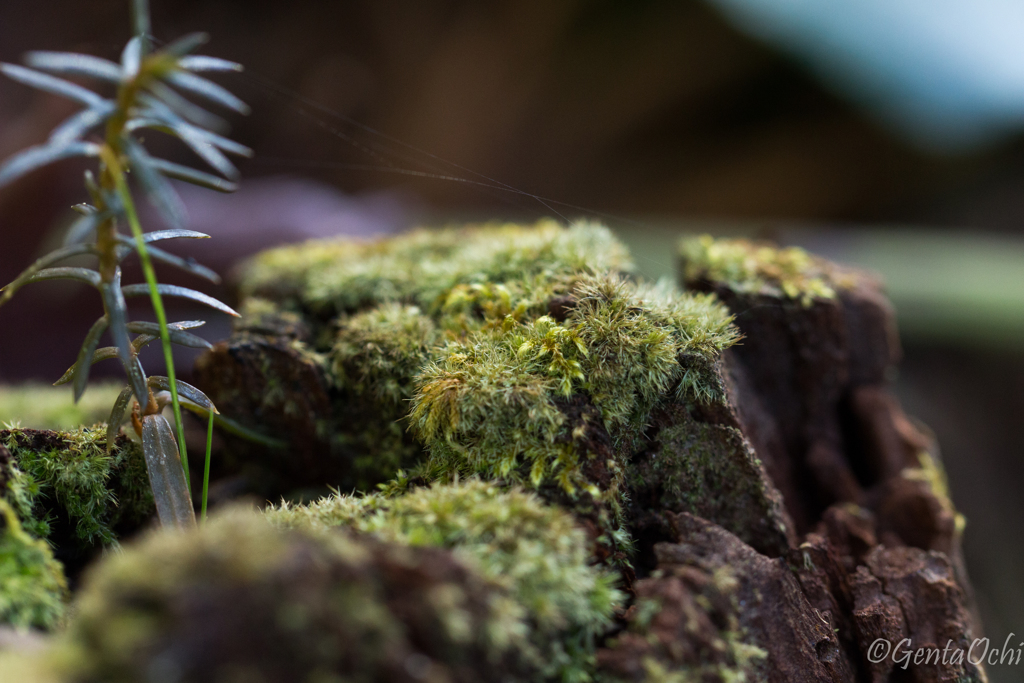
(705, 481)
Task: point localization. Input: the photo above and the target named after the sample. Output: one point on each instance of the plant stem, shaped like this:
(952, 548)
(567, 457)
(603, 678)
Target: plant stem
(140, 22)
(206, 467)
(158, 308)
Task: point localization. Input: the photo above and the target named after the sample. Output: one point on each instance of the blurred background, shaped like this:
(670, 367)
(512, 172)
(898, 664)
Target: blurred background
(887, 133)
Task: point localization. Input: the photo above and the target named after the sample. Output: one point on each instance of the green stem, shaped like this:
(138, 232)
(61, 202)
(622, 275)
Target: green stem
(140, 22)
(206, 467)
(158, 308)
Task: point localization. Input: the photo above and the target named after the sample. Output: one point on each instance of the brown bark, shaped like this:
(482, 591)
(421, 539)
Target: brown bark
(779, 534)
(874, 546)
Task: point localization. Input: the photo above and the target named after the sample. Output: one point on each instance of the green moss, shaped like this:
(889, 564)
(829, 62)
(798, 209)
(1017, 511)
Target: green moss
(493, 403)
(376, 353)
(934, 475)
(32, 584)
(474, 340)
(754, 268)
(241, 600)
(424, 266)
(685, 628)
(67, 480)
(41, 406)
(534, 550)
(375, 356)
(710, 471)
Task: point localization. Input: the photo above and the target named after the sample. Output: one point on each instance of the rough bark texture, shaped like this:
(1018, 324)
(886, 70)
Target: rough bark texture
(279, 390)
(876, 550)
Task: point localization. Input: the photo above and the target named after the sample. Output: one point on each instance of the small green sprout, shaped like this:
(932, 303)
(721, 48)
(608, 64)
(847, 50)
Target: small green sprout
(108, 129)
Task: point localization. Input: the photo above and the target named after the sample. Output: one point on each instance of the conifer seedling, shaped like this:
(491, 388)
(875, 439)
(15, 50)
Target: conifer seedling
(150, 93)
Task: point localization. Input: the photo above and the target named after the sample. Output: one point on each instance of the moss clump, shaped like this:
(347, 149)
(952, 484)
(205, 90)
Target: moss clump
(70, 491)
(381, 311)
(239, 599)
(534, 551)
(32, 584)
(426, 267)
(376, 355)
(470, 343)
(710, 471)
(755, 268)
(684, 627)
(493, 403)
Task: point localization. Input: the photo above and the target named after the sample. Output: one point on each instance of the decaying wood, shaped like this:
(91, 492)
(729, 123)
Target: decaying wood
(828, 529)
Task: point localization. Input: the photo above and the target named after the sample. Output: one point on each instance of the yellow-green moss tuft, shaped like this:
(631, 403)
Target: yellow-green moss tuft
(755, 268)
(534, 550)
(517, 353)
(423, 266)
(32, 584)
(493, 403)
(468, 343)
(68, 480)
(933, 474)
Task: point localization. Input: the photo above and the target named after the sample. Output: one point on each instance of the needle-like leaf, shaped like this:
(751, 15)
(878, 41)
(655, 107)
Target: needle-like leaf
(204, 63)
(204, 143)
(109, 352)
(155, 109)
(113, 301)
(85, 275)
(141, 22)
(190, 175)
(232, 427)
(159, 192)
(179, 337)
(51, 84)
(85, 356)
(226, 144)
(184, 45)
(191, 112)
(117, 415)
(182, 292)
(166, 476)
(206, 150)
(73, 64)
(85, 226)
(41, 264)
(144, 339)
(207, 89)
(101, 354)
(187, 390)
(158, 235)
(189, 265)
(186, 324)
(131, 58)
(74, 127)
(136, 374)
(152, 123)
(41, 155)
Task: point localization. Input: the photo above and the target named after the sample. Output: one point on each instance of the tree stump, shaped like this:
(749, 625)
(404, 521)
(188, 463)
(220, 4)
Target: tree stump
(725, 451)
